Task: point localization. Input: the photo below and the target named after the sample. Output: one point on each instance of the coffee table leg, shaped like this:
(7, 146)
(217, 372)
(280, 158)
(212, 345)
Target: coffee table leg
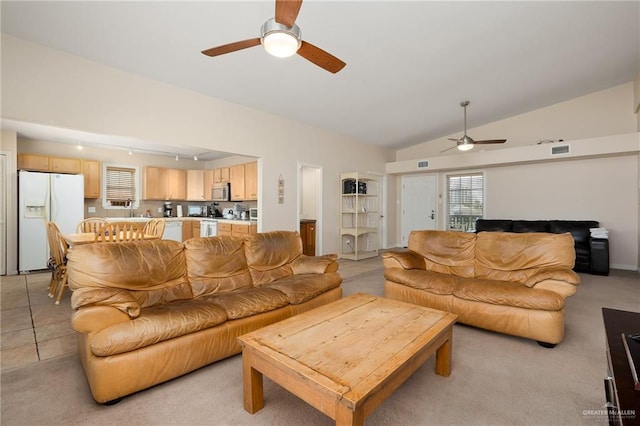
(443, 357)
(344, 417)
(252, 386)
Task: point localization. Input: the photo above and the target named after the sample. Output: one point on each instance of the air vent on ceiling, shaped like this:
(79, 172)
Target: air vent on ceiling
(423, 164)
(560, 149)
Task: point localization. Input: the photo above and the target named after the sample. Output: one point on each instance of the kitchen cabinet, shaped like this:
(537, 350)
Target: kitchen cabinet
(91, 171)
(195, 185)
(236, 177)
(45, 163)
(308, 236)
(207, 183)
(242, 229)
(190, 229)
(251, 181)
(164, 184)
(33, 162)
(66, 165)
(224, 229)
(221, 175)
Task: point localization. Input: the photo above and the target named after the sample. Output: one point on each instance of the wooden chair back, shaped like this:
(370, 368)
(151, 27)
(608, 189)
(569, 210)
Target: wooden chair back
(154, 227)
(91, 225)
(58, 249)
(119, 231)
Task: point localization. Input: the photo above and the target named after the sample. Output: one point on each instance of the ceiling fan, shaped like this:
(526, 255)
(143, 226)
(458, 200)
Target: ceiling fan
(465, 143)
(281, 37)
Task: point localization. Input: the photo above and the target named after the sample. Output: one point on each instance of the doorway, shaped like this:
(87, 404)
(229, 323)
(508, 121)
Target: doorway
(419, 204)
(310, 199)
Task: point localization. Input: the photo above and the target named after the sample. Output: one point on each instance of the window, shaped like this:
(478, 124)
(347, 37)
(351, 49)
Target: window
(465, 200)
(120, 186)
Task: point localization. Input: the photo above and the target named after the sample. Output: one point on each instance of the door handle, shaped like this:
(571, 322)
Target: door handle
(433, 214)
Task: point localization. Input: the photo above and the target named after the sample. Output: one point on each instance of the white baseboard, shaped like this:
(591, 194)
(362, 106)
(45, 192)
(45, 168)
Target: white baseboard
(625, 267)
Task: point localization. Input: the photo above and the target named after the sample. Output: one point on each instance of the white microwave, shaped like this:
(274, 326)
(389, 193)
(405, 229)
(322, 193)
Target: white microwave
(221, 192)
(253, 214)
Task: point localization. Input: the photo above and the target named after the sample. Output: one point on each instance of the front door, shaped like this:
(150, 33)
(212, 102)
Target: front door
(419, 204)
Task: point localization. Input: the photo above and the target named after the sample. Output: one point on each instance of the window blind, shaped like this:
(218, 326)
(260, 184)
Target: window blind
(465, 200)
(120, 185)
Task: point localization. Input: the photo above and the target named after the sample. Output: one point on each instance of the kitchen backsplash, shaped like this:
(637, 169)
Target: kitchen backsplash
(152, 207)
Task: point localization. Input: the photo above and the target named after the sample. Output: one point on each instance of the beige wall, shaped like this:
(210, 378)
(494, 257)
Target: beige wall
(604, 113)
(8, 143)
(50, 87)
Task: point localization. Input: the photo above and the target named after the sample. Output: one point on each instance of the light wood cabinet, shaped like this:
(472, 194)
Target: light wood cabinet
(207, 183)
(242, 230)
(251, 181)
(91, 171)
(195, 185)
(221, 175)
(190, 229)
(66, 165)
(33, 162)
(164, 184)
(224, 229)
(236, 177)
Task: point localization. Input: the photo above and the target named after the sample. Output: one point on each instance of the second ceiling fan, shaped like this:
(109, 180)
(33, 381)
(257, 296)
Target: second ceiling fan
(465, 143)
(281, 37)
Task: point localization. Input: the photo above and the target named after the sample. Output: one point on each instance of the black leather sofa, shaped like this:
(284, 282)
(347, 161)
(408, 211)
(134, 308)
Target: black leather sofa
(592, 254)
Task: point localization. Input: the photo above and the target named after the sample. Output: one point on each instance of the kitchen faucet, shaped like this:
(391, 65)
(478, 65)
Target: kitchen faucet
(130, 204)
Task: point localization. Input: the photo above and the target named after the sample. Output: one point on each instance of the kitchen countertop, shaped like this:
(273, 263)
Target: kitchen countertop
(182, 219)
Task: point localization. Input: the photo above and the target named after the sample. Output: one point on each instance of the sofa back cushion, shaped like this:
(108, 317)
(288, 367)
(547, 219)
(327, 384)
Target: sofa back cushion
(579, 229)
(510, 256)
(269, 255)
(216, 265)
(128, 275)
(448, 252)
(530, 226)
(504, 225)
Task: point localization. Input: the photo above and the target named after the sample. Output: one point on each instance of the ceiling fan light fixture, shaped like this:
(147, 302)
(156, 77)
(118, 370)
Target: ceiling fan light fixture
(465, 147)
(279, 40)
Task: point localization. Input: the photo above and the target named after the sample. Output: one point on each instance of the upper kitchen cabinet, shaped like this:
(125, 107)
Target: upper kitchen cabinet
(164, 184)
(199, 185)
(91, 172)
(251, 181)
(221, 175)
(33, 162)
(236, 177)
(45, 163)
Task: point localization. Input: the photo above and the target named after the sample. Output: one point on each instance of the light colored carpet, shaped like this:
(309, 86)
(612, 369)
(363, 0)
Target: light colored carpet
(496, 379)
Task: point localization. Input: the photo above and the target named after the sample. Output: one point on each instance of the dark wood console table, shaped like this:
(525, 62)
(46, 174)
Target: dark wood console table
(623, 402)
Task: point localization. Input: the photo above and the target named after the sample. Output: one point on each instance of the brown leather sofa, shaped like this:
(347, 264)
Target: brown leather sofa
(500, 281)
(150, 311)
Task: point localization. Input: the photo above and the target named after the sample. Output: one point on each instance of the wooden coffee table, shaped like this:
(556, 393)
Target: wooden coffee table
(347, 357)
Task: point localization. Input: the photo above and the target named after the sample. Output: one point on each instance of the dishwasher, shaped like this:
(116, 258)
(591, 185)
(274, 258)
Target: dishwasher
(208, 228)
(173, 230)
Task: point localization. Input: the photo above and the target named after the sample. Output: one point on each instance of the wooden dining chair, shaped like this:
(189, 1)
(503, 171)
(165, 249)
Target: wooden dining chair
(154, 227)
(119, 231)
(58, 250)
(91, 225)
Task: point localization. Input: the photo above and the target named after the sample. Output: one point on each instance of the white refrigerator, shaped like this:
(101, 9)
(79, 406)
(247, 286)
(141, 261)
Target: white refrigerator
(51, 196)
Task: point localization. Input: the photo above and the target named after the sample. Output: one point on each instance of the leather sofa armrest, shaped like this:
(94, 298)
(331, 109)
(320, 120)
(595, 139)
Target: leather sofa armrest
(555, 274)
(403, 259)
(95, 318)
(314, 264)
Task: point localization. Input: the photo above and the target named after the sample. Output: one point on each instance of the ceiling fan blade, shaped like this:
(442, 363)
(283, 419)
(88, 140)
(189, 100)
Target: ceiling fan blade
(445, 150)
(491, 141)
(287, 11)
(455, 140)
(232, 47)
(321, 58)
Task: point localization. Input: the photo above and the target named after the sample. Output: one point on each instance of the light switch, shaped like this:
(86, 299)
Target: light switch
(91, 209)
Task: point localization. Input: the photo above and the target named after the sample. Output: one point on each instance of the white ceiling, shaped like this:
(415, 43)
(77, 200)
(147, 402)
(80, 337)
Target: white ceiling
(409, 64)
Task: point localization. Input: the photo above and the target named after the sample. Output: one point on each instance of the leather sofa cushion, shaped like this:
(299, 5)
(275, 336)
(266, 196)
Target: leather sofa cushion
(447, 252)
(433, 282)
(579, 229)
(494, 225)
(269, 255)
(156, 324)
(507, 294)
(507, 256)
(249, 301)
(128, 275)
(216, 265)
(530, 226)
(303, 287)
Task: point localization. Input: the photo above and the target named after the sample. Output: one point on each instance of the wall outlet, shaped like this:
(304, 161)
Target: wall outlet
(159, 209)
(91, 209)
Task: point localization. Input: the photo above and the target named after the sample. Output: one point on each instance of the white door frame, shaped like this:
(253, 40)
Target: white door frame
(382, 199)
(319, 201)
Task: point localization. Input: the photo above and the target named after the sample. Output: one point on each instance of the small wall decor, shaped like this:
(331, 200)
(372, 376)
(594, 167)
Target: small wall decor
(280, 190)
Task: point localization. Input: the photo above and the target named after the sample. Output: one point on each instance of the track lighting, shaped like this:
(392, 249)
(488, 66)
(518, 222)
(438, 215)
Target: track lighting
(177, 158)
(130, 151)
(195, 157)
(79, 146)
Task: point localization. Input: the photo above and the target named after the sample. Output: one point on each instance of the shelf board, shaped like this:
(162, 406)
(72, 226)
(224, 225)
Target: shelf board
(358, 231)
(359, 255)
